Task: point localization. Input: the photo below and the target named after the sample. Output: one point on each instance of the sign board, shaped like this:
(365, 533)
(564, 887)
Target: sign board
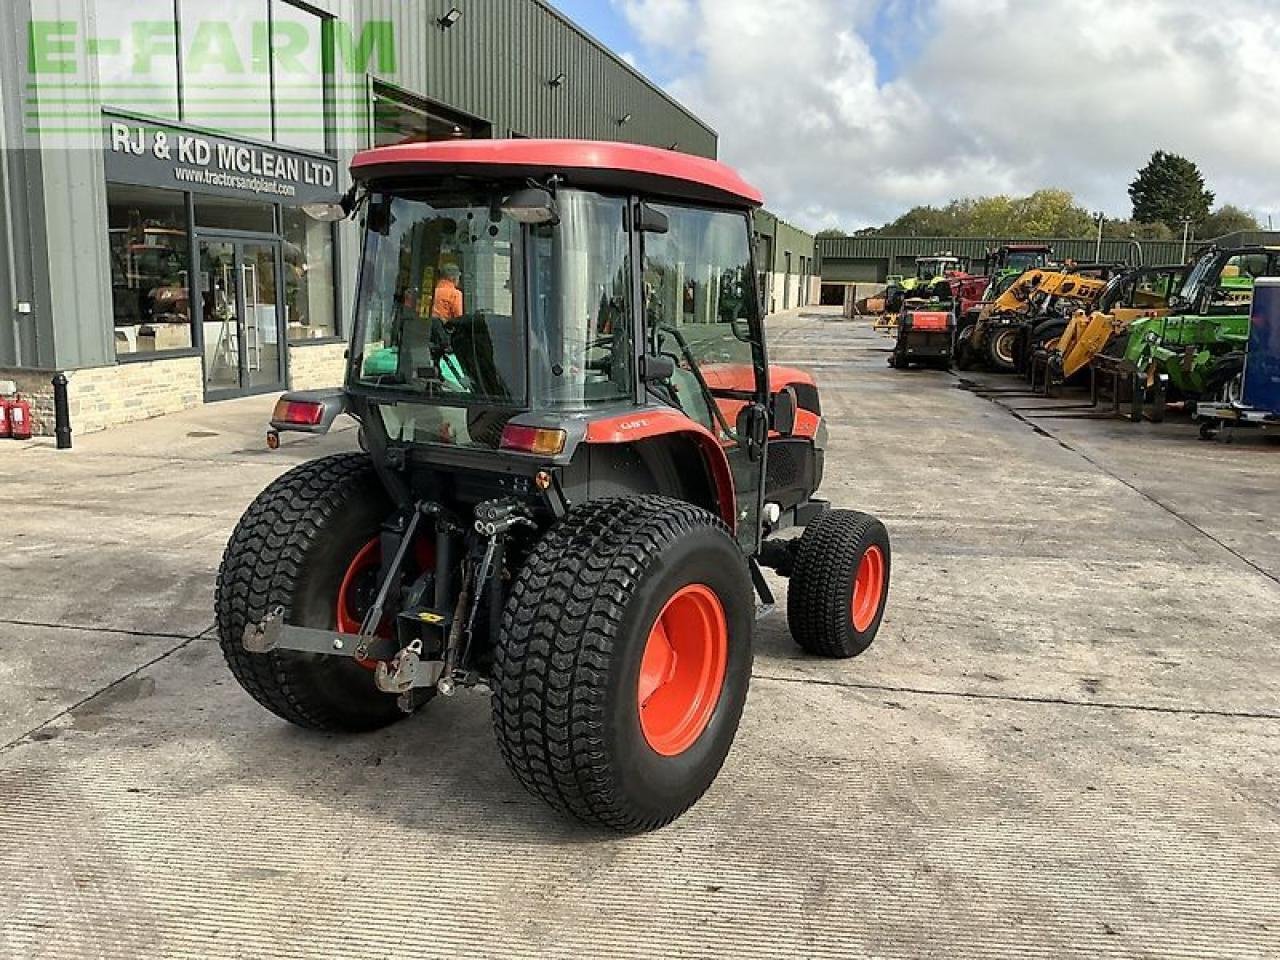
(146, 153)
(1262, 365)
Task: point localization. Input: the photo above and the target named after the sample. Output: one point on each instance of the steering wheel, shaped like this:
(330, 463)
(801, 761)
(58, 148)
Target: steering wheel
(602, 365)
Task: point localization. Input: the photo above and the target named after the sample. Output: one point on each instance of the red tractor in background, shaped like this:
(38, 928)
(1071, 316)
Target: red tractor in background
(578, 462)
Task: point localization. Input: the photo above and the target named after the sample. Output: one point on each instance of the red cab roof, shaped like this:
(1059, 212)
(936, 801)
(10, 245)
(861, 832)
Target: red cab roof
(583, 163)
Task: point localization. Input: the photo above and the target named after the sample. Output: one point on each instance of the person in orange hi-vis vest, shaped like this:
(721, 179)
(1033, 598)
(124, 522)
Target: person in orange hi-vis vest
(447, 300)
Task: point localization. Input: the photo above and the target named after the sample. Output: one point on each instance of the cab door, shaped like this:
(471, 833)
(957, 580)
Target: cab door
(701, 311)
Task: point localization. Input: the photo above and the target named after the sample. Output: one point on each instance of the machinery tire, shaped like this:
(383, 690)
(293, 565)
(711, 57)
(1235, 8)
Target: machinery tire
(1046, 331)
(964, 349)
(583, 661)
(1002, 349)
(292, 549)
(839, 584)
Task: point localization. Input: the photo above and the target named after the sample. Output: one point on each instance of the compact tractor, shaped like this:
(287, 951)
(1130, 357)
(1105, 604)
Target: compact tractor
(578, 461)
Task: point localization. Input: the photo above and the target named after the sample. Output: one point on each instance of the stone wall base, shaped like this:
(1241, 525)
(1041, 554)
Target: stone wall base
(317, 366)
(102, 397)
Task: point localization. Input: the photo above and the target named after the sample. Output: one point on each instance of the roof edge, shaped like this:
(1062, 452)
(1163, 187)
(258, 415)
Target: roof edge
(601, 45)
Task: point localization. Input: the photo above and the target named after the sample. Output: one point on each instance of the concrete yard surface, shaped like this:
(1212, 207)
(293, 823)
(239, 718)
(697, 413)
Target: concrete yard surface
(1065, 741)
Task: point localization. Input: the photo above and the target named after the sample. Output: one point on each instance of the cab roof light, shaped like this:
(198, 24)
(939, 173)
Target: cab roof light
(544, 442)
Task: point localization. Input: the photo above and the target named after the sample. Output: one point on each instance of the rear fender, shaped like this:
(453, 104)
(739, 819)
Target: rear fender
(642, 425)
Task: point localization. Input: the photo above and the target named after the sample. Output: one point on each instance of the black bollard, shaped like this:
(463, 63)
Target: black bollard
(61, 412)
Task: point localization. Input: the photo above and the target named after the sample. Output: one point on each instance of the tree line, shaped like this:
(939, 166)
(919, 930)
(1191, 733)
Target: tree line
(1167, 193)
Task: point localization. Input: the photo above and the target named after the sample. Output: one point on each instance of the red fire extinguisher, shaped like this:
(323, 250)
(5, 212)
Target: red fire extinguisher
(6, 431)
(20, 419)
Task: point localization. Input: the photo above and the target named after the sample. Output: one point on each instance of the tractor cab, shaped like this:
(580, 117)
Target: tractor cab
(1017, 258)
(535, 307)
(938, 267)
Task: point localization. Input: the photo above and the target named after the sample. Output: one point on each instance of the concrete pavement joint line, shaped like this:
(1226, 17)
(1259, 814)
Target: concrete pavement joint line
(153, 634)
(97, 693)
(1044, 431)
(1010, 698)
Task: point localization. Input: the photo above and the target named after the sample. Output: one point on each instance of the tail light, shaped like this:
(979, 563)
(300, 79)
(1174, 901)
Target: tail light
(301, 413)
(544, 442)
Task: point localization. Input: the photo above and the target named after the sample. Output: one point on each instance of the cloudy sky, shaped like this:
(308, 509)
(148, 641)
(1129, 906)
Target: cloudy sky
(848, 112)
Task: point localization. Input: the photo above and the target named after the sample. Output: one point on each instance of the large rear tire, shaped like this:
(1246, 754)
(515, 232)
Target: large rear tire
(298, 547)
(624, 659)
(1002, 349)
(839, 584)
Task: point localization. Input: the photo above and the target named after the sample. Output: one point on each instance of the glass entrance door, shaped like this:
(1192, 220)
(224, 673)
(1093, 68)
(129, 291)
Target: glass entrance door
(240, 311)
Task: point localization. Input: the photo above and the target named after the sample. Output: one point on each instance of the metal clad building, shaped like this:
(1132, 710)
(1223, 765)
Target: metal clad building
(156, 154)
(848, 260)
(787, 260)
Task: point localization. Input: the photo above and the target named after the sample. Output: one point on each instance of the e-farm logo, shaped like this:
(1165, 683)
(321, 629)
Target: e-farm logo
(209, 70)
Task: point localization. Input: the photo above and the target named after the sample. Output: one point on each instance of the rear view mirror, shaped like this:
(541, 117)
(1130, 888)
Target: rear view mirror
(649, 220)
(784, 411)
(533, 205)
(656, 369)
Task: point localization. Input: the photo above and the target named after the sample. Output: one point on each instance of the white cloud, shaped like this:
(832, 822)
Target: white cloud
(989, 96)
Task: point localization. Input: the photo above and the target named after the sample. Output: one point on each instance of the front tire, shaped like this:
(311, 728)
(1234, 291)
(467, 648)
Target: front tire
(964, 349)
(1002, 349)
(294, 548)
(839, 584)
(624, 659)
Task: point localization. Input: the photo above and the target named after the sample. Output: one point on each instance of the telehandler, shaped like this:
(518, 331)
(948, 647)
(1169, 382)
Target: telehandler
(1036, 295)
(1070, 346)
(578, 461)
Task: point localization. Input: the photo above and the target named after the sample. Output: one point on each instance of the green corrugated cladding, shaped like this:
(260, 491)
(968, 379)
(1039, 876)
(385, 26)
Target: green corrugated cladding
(906, 249)
(783, 239)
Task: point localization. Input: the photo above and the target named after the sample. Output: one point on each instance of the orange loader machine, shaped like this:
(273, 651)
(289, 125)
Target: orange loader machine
(579, 460)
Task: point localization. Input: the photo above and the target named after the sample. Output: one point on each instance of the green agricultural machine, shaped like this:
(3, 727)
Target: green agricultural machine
(1189, 352)
(931, 280)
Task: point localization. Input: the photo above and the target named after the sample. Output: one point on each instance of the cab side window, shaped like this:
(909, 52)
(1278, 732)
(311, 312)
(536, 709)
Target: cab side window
(699, 308)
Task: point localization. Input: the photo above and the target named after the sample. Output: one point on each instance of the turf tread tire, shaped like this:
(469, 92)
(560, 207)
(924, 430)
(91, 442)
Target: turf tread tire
(562, 640)
(819, 596)
(270, 561)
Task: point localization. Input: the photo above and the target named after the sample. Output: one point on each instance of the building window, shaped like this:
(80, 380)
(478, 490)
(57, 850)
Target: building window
(227, 213)
(309, 291)
(401, 118)
(226, 68)
(150, 247)
(137, 61)
(302, 106)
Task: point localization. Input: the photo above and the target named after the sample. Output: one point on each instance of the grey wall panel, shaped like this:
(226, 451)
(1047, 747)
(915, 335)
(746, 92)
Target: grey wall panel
(26, 339)
(495, 63)
(69, 188)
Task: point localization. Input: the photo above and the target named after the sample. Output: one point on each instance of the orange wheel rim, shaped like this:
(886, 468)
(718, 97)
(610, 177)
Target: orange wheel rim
(356, 581)
(868, 587)
(360, 583)
(682, 671)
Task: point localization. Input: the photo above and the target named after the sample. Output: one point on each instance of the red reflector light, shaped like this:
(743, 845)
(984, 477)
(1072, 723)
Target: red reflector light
(300, 412)
(537, 440)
